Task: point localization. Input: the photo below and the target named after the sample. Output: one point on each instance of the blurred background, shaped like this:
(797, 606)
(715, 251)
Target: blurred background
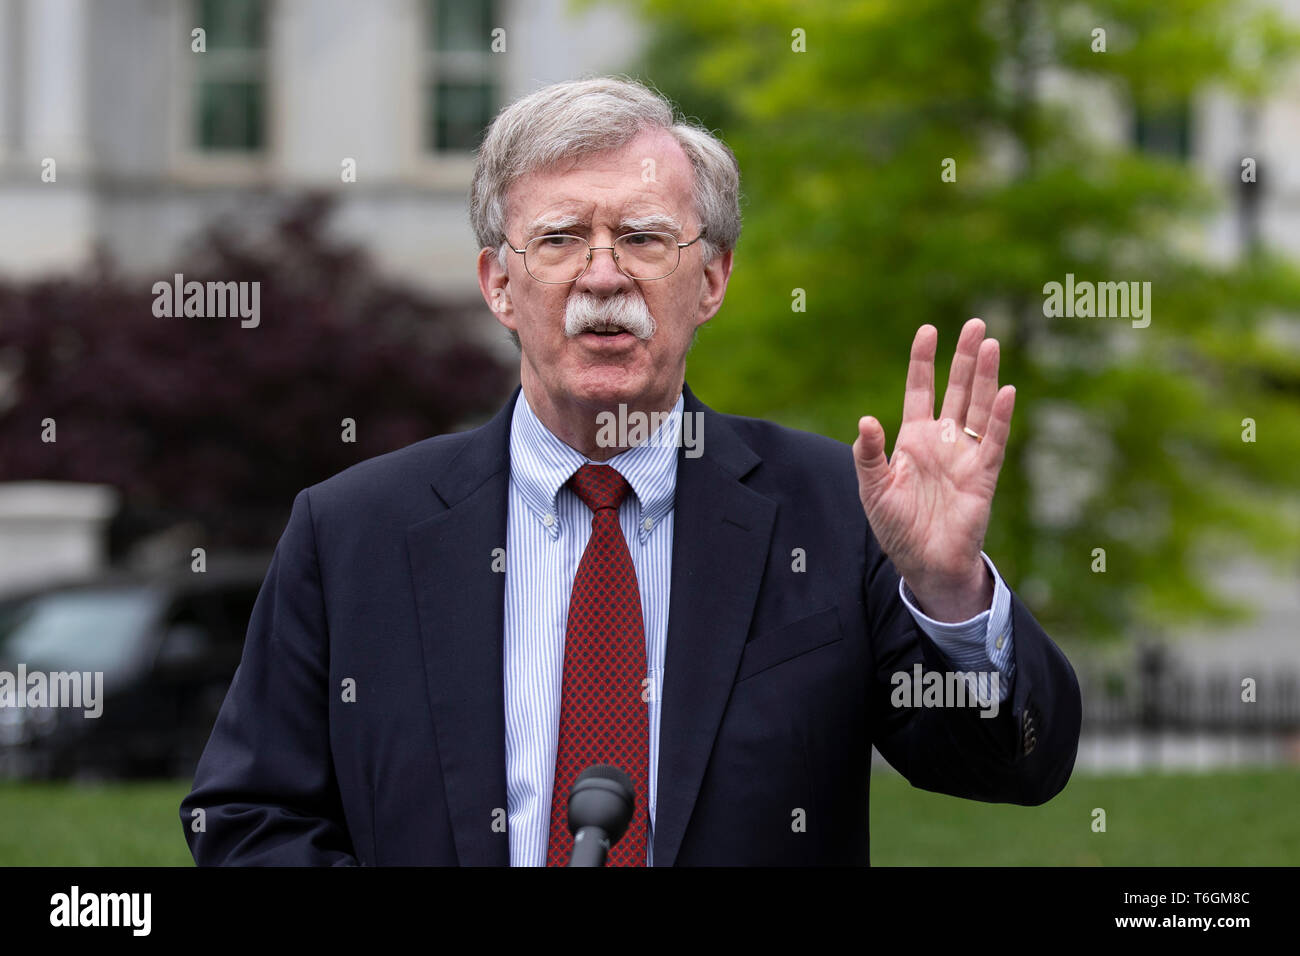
(901, 162)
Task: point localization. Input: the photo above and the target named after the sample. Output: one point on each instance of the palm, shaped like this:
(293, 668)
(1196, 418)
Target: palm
(929, 504)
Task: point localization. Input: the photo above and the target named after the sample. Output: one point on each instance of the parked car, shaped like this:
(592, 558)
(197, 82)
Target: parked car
(167, 647)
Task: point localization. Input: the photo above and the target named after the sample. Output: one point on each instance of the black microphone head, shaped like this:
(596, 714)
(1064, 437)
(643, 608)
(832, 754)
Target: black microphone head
(602, 796)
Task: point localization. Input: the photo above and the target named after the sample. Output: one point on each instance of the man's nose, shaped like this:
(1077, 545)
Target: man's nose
(603, 275)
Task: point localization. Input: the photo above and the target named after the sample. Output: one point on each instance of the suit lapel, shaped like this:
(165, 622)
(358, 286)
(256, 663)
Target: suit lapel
(460, 601)
(721, 534)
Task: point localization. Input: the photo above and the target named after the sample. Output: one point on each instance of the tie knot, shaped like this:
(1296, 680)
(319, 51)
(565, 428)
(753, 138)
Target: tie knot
(599, 486)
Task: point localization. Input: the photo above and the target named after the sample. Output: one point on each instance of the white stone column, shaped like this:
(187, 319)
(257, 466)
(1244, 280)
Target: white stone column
(49, 222)
(55, 36)
(8, 76)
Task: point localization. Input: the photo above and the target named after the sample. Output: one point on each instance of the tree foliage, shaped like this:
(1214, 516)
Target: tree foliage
(200, 419)
(1125, 439)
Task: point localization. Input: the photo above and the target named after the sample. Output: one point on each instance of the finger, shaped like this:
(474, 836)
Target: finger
(985, 388)
(957, 396)
(994, 445)
(869, 454)
(918, 398)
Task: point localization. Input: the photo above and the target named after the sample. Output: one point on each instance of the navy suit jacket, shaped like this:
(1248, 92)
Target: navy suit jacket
(366, 723)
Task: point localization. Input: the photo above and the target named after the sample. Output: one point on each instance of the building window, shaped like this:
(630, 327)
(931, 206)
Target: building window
(1166, 131)
(230, 88)
(460, 89)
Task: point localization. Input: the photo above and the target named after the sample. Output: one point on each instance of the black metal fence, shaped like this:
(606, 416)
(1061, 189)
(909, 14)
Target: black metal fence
(1159, 693)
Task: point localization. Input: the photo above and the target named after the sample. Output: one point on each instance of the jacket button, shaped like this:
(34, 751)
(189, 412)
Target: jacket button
(1029, 732)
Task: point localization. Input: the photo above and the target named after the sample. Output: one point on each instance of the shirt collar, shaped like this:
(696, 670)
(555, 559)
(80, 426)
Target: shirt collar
(540, 464)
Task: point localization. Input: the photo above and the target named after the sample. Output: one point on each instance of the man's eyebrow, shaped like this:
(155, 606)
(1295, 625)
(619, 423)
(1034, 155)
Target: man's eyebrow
(653, 222)
(553, 223)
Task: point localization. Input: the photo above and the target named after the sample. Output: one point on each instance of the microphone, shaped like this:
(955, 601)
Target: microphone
(601, 802)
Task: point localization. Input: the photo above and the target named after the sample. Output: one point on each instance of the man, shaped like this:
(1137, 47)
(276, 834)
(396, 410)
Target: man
(450, 633)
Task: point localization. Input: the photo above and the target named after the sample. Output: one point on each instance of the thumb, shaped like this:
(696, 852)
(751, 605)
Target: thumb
(869, 454)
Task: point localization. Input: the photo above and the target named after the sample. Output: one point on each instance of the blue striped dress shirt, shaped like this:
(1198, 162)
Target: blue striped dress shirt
(547, 531)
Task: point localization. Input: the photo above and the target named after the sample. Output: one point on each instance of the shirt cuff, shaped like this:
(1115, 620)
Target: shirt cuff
(980, 645)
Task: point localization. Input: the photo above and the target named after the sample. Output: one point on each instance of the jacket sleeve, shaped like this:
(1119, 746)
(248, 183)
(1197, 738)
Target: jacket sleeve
(265, 783)
(1023, 755)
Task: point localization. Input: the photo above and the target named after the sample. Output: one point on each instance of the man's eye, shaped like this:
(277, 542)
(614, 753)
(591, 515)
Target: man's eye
(638, 238)
(556, 239)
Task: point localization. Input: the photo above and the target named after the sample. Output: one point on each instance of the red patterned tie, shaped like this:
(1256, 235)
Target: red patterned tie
(602, 716)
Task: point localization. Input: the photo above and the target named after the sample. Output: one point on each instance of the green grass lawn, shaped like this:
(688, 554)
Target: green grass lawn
(1246, 818)
(1222, 819)
(50, 824)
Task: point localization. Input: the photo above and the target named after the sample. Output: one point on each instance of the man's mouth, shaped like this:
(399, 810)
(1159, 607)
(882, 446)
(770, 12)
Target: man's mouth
(608, 339)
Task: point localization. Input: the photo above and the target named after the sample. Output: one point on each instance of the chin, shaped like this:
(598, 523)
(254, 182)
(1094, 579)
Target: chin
(608, 387)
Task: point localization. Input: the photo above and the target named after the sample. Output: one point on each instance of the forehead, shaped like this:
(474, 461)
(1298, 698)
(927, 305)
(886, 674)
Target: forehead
(649, 175)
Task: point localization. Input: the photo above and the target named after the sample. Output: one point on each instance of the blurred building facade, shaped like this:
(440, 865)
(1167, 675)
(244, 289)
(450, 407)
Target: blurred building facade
(151, 139)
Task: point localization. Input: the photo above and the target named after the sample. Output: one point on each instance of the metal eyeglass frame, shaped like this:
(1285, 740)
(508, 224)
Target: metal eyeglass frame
(591, 249)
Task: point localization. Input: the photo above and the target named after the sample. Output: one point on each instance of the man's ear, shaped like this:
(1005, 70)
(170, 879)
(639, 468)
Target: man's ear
(494, 284)
(713, 286)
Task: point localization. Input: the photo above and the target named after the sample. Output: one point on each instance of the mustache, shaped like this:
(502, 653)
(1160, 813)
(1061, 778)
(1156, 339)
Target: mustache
(584, 312)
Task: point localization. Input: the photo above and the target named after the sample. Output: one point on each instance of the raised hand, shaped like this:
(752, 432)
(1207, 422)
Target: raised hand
(929, 503)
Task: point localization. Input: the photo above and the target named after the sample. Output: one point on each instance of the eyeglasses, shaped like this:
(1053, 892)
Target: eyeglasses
(560, 258)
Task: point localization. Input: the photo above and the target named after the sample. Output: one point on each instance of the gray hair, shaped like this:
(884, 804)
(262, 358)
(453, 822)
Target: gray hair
(570, 120)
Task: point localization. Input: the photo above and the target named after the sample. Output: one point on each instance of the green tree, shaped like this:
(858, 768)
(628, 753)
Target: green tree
(1126, 439)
